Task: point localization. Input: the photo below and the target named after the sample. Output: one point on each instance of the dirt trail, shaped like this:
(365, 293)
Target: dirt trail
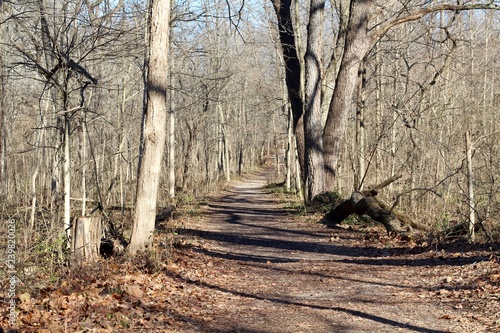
(264, 270)
(246, 264)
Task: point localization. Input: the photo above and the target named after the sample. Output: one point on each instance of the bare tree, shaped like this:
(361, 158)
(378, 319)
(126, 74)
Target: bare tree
(361, 34)
(154, 128)
(313, 152)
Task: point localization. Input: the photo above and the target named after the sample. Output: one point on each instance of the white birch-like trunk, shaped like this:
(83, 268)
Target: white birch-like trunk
(33, 197)
(84, 167)
(290, 139)
(171, 139)
(67, 177)
(154, 129)
(470, 187)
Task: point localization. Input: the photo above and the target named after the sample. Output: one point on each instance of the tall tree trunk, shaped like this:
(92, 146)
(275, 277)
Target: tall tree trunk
(3, 140)
(292, 72)
(298, 45)
(223, 142)
(171, 142)
(3, 134)
(154, 129)
(470, 186)
(83, 139)
(2, 97)
(360, 173)
(67, 176)
(332, 69)
(188, 151)
(288, 146)
(314, 165)
(357, 44)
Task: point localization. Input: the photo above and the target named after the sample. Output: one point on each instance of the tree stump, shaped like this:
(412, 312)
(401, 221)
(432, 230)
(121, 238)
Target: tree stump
(86, 238)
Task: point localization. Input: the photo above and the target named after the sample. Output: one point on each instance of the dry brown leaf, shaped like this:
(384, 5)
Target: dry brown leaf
(448, 317)
(25, 298)
(134, 291)
(494, 277)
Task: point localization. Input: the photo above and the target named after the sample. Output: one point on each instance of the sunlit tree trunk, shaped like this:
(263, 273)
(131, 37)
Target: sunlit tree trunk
(67, 176)
(470, 187)
(290, 138)
(154, 129)
(360, 134)
(171, 138)
(357, 44)
(313, 129)
(83, 161)
(292, 72)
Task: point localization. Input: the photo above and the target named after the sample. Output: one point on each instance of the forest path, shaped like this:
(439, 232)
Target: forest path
(262, 269)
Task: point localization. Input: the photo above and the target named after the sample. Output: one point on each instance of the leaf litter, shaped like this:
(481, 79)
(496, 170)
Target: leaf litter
(248, 265)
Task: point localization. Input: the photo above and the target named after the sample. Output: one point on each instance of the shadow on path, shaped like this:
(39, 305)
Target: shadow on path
(284, 301)
(279, 260)
(345, 254)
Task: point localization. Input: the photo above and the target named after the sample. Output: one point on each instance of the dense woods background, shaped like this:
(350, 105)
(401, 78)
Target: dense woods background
(72, 92)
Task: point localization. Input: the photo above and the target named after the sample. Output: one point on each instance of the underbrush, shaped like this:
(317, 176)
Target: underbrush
(444, 228)
(43, 260)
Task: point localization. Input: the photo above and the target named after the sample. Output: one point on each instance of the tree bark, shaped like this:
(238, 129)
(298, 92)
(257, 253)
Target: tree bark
(86, 238)
(333, 67)
(470, 186)
(360, 137)
(357, 45)
(3, 141)
(292, 72)
(171, 138)
(188, 151)
(314, 165)
(365, 203)
(67, 176)
(154, 129)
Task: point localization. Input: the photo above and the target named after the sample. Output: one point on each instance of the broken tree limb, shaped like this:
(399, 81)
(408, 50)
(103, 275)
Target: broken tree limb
(375, 190)
(387, 182)
(403, 217)
(339, 213)
(365, 203)
(368, 205)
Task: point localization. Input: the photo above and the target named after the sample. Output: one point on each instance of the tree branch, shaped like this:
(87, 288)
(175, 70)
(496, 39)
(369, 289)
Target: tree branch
(80, 69)
(382, 29)
(385, 183)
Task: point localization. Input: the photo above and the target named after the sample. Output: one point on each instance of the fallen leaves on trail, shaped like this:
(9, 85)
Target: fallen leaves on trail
(474, 289)
(122, 299)
(193, 292)
(199, 292)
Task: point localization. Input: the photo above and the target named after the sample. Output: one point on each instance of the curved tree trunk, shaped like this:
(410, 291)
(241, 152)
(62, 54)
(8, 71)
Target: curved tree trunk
(357, 45)
(314, 165)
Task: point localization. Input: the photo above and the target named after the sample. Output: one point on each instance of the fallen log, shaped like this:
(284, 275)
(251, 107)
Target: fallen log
(365, 203)
(404, 218)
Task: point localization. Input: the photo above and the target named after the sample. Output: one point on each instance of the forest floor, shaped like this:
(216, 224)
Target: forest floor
(248, 263)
